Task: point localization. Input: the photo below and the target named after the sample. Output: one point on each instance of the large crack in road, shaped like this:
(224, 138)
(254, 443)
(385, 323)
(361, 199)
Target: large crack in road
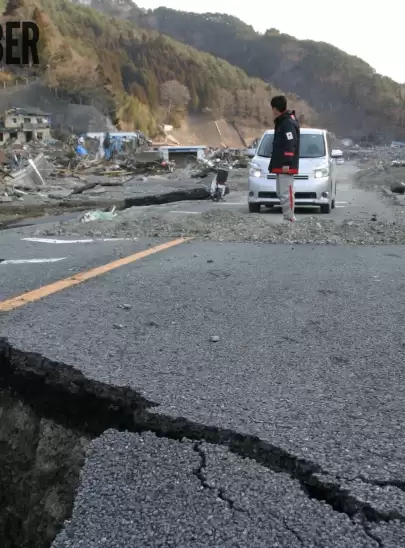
(45, 213)
(50, 415)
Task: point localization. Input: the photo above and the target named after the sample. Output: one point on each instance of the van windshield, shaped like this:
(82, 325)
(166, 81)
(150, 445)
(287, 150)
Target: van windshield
(312, 145)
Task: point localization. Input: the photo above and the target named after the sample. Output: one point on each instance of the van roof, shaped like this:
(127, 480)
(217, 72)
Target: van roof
(309, 130)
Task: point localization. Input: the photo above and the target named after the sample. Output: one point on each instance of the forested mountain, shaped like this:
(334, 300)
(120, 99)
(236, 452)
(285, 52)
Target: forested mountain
(143, 76)
(350, 97)
(149, 67)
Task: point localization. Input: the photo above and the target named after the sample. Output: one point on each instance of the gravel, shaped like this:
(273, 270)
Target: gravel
(222, 225)
(379, 168)
(376, 176)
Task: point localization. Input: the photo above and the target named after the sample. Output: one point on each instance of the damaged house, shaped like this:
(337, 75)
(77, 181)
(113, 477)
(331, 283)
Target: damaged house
(24, 125)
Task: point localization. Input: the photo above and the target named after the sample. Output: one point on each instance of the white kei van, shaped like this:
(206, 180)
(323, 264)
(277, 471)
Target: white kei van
(315, 183)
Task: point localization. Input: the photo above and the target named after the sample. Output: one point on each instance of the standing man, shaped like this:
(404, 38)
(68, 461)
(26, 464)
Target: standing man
(285, 157)
(107, 146)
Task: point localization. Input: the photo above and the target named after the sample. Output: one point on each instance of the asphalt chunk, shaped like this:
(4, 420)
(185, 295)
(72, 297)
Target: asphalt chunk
(149, 491)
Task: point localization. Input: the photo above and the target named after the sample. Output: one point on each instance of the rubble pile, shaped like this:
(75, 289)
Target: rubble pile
(228, 159)
(25, 169)
(381, 168)
(220, 225)
(46, 177)
(377, 154)
(108, 189)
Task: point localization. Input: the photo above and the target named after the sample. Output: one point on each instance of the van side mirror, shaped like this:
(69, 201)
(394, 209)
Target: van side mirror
(336, 153)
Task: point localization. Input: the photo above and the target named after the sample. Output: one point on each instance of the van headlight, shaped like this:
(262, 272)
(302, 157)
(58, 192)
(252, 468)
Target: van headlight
(319, 173)
(255, 171)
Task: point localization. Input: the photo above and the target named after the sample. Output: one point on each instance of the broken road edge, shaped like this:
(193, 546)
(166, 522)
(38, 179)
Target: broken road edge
(39, 210)
(60, 395)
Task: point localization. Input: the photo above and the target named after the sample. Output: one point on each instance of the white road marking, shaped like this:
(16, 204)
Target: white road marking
(350, 205)
(186, 212)
(115, 239)
(32, 261)
(342, 203)
(51, 241)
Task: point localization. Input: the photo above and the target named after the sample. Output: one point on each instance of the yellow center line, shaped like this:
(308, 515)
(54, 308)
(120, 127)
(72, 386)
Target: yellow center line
(37, 294)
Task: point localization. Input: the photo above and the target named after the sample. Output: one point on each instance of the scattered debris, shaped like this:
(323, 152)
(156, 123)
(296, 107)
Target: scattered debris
(381, 167)
(227, 159)
(98, 216)
(398, 163)
(53, 174)
(398, 188)
(50, 174)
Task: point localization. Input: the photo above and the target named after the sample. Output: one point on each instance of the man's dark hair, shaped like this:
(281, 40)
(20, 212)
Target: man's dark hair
(279, 102)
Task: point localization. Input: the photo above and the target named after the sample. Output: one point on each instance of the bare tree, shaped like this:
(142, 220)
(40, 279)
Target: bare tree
(174, 96)
(223, 104)
(262, 106)
(245, 103)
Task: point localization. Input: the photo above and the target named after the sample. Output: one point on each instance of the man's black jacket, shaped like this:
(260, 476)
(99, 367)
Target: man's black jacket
(286, 144)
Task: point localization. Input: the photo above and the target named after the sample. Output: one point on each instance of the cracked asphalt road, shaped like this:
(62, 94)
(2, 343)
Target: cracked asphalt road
(307, 347)
(309, 362)
(179, 494)
(308, 359)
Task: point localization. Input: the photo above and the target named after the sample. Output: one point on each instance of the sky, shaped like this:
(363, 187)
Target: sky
(355, 26)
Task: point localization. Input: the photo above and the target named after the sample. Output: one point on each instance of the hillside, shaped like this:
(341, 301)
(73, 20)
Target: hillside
(139, 76)
(350, 97)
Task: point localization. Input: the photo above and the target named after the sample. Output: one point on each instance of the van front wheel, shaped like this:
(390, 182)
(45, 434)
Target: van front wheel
(326, 208)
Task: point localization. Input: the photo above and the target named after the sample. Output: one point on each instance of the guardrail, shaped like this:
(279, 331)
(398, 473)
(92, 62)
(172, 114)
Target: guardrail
(14, 85)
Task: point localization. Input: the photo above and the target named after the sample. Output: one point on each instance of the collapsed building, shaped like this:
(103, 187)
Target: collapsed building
(25, 124)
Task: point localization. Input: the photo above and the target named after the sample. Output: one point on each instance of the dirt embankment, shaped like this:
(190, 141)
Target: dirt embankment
(202, 130)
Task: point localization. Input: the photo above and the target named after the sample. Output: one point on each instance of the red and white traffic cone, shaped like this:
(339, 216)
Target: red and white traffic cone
(291, 195)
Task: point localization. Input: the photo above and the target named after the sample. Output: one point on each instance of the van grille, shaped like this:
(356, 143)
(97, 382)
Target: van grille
(305, 195)
(298, 195)
(296, 177)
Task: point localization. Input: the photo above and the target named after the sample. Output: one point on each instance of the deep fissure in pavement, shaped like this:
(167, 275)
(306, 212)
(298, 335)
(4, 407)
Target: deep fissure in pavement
(197, 193)
(181, 195)
(50, 412)
(40, 463)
